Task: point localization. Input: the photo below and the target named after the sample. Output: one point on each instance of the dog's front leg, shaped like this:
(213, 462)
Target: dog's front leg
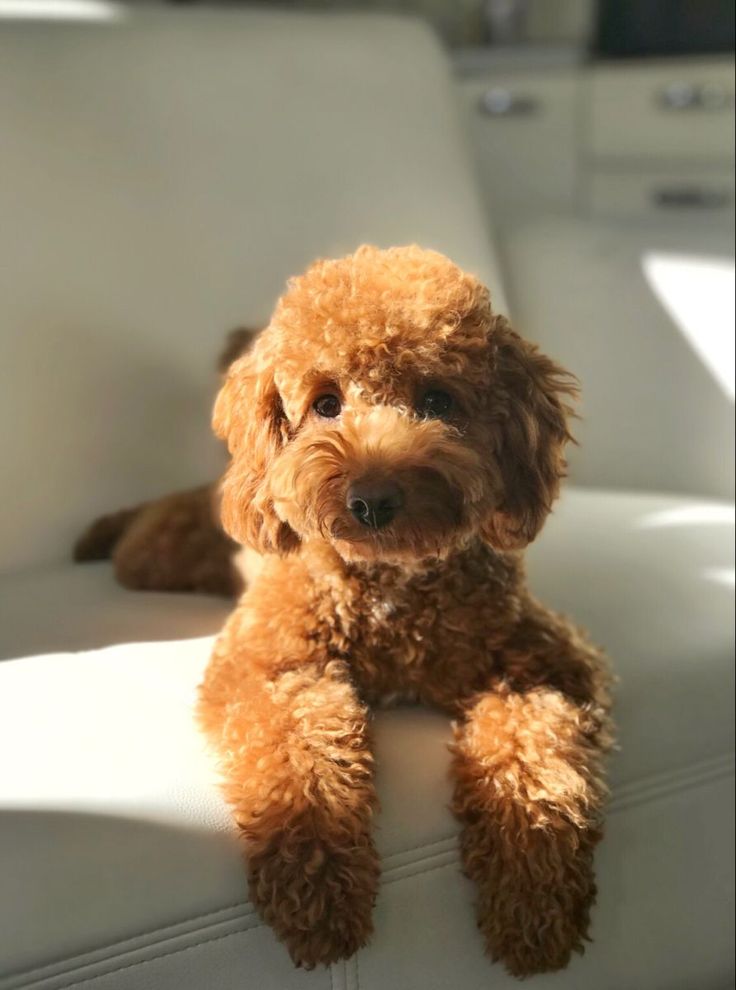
(528, 792)
(298, 772)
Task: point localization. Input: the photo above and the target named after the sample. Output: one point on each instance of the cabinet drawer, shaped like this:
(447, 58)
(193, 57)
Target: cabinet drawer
(523, 130)
(683, 193)
(680, 108)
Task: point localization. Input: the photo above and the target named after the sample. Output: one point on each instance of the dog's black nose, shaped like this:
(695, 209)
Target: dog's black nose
(374, 503)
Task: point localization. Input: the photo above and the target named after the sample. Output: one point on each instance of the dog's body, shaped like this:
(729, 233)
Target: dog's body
(394, 445)
(314, 642)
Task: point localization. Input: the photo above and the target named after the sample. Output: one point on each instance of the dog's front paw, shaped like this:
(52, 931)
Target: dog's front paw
(317, 893)
(542, 945)
(537, 929)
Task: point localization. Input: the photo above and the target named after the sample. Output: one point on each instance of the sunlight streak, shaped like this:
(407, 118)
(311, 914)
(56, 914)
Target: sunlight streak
(694, 514)
(698, 294)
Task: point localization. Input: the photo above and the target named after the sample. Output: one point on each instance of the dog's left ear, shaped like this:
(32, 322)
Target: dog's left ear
(530, 410)
(248, 415)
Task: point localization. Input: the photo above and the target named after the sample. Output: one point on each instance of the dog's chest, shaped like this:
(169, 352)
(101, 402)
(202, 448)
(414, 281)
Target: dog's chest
(393, 640)
(380, 609)
(419, 638)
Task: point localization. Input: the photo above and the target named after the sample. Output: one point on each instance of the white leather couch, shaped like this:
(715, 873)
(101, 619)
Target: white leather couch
(160, 178)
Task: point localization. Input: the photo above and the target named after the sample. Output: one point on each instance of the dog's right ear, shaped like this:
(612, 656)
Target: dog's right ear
(249, 416)
(532, 396)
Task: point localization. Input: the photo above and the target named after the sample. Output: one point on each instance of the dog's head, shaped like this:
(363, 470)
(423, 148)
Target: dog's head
(387, 410)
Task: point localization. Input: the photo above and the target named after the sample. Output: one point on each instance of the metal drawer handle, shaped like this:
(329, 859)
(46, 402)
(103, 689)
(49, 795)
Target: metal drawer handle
(691, 198)
(501, 102)
(681, 95)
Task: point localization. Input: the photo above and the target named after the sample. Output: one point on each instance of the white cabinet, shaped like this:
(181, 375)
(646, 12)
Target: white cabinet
(523, 128)
(698, 191)
(661, 111)
(658, 139)
(647, 139)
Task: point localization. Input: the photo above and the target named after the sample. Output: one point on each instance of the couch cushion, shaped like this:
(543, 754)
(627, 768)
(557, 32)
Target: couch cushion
(82, 607)
(652, 579)
(168, 172)
(111, 828)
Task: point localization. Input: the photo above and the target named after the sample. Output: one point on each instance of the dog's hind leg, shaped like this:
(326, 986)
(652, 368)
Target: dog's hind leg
(173, 543)
(98, 541)
(177, 544)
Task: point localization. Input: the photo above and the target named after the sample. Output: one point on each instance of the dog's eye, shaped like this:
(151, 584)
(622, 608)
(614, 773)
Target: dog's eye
(435, 404)
(327, 406)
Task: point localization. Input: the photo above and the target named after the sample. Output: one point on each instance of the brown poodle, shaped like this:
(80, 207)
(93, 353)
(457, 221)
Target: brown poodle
(394, 446)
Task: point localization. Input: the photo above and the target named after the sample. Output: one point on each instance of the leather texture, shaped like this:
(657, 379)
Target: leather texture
(66, 607)
(166, 174)
(115, 844)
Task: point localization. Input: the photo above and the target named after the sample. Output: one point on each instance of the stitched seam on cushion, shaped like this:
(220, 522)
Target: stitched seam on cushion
(656, 785)
(160, 934)
(111, 948)
(428, 869)
(419, 849)
(240, 931)
(661, 785)
(162, 955)
(652, 788)
(654, 794)
(386, 879)
(420, 866)
(349, 971)
(703, 768)
(334, 972)
(155, 950)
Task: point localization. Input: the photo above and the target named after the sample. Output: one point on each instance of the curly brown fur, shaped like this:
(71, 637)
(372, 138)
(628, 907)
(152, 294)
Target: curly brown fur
(170, 544)
(175, 543)
(388, 372)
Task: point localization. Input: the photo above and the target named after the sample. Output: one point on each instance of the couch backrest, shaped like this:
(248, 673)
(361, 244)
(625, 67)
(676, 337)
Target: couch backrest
(159, 179)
